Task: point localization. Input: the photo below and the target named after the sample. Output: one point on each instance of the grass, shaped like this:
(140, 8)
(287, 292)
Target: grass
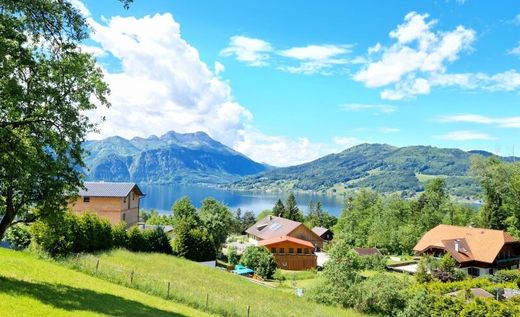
(35, 287)
(196, 285)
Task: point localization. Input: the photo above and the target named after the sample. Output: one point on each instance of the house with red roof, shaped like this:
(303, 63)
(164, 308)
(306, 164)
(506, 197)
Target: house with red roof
(477, 251)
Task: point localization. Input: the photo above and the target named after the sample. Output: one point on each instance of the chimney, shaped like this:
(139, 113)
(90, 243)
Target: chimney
(457, 245)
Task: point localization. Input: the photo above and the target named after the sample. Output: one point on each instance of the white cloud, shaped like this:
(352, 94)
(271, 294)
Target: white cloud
(81, 7)
(363, 107)
(515, 50)
(163, 85)
(252, 51)
(505, 122)
(346, 142)
(504, 81)
(464, 136)
(315, 58)
(417, 54)
(94, 50)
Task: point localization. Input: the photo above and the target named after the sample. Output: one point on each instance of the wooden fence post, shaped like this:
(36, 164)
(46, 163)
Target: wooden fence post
(168, 296)
(207, 300)
(132, 277)
(97, 266)
(248, 310)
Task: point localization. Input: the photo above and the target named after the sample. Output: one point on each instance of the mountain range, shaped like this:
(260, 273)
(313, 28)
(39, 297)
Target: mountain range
(184, 158)
(195, 158)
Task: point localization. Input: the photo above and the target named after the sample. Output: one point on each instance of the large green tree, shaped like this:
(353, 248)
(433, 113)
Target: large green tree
(291, 209)
(217, 219)
(46, 84)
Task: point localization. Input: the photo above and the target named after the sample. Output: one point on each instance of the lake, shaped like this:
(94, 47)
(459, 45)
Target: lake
(161, 198)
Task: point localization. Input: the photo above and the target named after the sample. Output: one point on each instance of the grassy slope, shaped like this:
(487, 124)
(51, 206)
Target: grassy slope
(228, 294)
(35, 287)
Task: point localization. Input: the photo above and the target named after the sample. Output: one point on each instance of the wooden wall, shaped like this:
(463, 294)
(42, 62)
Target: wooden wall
(110, 208)
(296, 262)
(304, 233)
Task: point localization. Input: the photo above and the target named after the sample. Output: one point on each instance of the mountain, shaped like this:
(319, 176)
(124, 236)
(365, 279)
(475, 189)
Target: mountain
(381, 167)
(186, 158)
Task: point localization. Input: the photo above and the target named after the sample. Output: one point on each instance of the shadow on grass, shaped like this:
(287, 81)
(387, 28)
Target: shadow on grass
(74, 299)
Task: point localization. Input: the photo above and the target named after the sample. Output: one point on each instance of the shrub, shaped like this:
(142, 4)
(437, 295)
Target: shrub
(192, 242)
(91, 233)
(54, 235)
(157, 241)
(260, 260)
(18, 236)
(504, 276)
(119, 236)
(233, 257)
(136, 240)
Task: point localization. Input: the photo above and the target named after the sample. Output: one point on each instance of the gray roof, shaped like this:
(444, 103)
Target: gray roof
(272, 226)
(319, 230)
(105, 189)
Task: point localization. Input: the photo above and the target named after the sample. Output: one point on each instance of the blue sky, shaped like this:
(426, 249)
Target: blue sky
(289, 81)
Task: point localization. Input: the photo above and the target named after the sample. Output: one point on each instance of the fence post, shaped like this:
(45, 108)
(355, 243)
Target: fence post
(248, 310)
(168, 296)
(207, 300)
(132, 277)
(97, 266)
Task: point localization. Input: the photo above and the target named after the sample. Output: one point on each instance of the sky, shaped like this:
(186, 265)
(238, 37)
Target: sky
(286, 82)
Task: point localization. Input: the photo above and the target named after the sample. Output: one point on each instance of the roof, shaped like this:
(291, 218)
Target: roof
(273, 226)
(105, 189)
(285, 239)
(319, 230)
(367, 251)
(474, 244)
(476, 292)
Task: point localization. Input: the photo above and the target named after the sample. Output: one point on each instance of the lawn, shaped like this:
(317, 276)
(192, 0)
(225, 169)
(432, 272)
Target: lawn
(34, 287)
(198, 286)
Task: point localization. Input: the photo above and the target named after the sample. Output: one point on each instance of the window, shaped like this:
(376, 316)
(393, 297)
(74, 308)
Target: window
(124, 216)
(473, 271)
(282, 250)
(86, 199)
(133, 196)
(491, 271)
(273, 250)
(306, 251)
(291, 250)
(124, 200)
(299, 250)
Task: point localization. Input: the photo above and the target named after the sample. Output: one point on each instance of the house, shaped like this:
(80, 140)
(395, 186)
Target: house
(291, 253)
(367, 251)
(324, 233)
(275, 227)
(115, 202)
(477, 251)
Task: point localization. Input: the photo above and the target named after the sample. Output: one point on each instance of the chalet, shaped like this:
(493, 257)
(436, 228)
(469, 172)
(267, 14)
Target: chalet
(274, 227)
(367, 251)
(115, 202)
(291, 253)
(477, 251)
(324, 233)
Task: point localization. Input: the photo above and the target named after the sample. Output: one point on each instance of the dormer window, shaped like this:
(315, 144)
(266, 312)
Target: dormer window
(86, 199)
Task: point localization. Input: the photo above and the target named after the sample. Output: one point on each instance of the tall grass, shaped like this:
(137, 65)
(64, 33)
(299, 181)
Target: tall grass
(198, 286)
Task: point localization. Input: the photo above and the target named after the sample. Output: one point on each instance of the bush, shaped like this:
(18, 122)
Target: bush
(192, 242)
(260, 260)
(505, 276)
(136, 240)
(18, 236)
(55, 235)
(119, 236)
(233, 257)
(92, 233)
(157, 241)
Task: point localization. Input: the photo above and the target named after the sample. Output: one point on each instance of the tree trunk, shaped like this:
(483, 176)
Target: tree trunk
(10, 213)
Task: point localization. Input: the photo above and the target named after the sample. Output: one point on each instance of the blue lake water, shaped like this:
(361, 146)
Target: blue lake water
(161, 198)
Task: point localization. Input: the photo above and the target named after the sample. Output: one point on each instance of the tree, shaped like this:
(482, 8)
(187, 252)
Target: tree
(279, 208)
(316, 217)
(291, 209)
(260, 260)
(217, 219)
(263, 214)
(233, 257)
(193, 242)
(184, 209)
(46, 84)
(247, 220)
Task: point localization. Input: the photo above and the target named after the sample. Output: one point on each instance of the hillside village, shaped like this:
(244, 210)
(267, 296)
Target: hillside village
(422, 231)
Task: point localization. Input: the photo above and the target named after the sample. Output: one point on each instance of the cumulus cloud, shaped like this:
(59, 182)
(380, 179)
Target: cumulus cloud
(252, 51)
(464, 136)
(161, 84)
(346, 141)
(315, 58)
(515, 50)
(417, 53)
(503, 122)
(364, 107)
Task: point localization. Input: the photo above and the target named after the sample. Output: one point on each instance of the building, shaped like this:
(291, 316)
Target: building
(291, 253)
(115, 202)
(477, 251)
(367, 251)
(324, 233)
(275, 227)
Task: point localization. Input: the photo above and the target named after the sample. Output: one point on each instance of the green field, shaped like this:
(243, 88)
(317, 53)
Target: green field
(198, 286)
(35, 287)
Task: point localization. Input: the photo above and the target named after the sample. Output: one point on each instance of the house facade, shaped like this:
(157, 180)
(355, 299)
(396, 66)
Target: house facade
(274, 227)
(324, 233)
(116, 202)
(291, 253)
(477, 251)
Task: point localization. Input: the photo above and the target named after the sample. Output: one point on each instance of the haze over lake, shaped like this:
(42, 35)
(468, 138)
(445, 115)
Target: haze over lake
(161, 198)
